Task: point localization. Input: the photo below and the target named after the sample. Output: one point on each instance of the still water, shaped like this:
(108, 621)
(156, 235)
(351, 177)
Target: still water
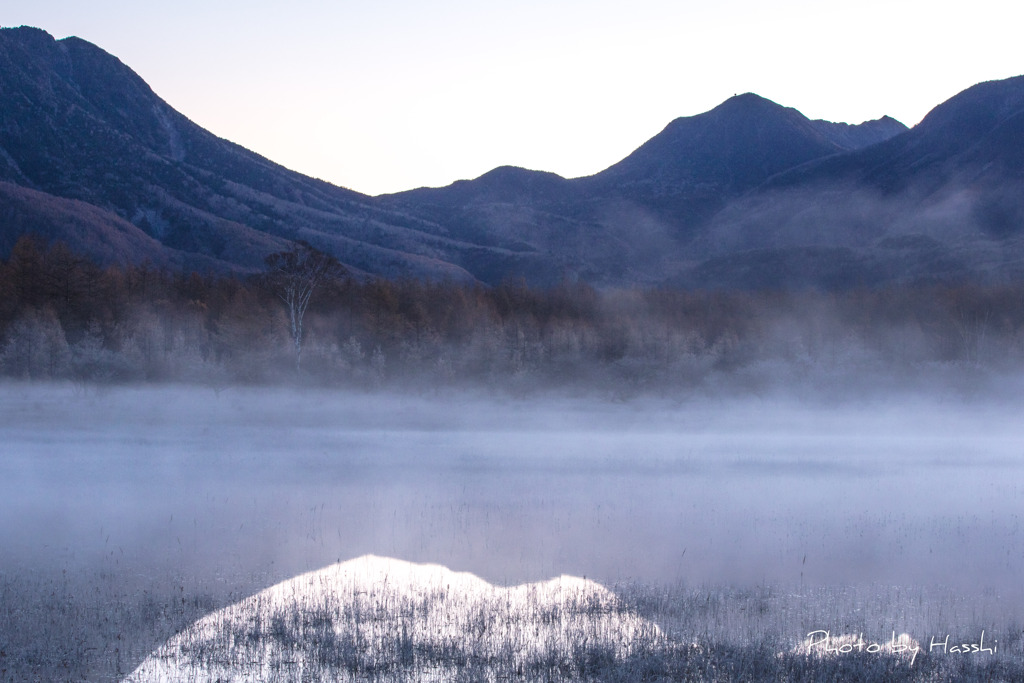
(269, 483)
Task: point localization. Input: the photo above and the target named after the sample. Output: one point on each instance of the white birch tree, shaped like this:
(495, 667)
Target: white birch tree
(294, 275)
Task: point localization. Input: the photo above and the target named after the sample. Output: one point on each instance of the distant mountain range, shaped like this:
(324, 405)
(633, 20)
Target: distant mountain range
(750, 194)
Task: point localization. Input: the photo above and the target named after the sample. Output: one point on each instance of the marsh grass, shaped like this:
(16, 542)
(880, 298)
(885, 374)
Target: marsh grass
(93, 628)
(88, 626)
(382, 620)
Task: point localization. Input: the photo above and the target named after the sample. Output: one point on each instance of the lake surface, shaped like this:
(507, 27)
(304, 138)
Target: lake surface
(268, 483)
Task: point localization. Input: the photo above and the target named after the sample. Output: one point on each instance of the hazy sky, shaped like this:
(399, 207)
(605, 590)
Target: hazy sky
(395, 94)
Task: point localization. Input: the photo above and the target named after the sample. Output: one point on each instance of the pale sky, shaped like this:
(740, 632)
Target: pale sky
(395, 94)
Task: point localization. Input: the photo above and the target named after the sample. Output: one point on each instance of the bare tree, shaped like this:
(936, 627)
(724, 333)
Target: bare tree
(294, 275)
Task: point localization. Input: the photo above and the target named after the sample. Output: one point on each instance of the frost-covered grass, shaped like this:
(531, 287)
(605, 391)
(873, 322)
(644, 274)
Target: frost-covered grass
(379, 619)
(382, 619)
(439, 625)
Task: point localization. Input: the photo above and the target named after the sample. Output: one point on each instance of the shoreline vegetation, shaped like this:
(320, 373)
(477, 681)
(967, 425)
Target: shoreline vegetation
(379, 619)
(78, 628)
(65, 318)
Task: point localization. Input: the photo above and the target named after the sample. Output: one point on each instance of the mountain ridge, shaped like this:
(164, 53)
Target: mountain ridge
(78, 124)
(710, 199)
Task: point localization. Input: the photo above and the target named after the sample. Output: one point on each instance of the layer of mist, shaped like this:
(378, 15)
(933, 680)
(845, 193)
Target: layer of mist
(738, 491)
(161, 503)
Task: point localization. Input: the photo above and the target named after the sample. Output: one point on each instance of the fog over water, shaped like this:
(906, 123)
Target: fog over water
(268, 483)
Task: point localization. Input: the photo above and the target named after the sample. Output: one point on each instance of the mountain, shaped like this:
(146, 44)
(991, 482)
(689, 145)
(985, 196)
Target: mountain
(735, 146)
(690, 169)
(950, 136)
(943, 201)
(542, 217)
(751, 194)
(76, 123)
(632, 221)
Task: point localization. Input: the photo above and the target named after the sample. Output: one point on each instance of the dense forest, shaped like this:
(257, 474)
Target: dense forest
(63, 317)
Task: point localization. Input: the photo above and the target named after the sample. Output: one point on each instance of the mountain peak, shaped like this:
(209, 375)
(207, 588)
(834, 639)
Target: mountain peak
(747, 101)
(972, 112)
(26, 33)
(517, 175)
(78, 124)
(733, 147)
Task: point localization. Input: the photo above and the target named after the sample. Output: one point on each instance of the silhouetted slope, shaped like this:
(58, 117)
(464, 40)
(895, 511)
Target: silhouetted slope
(851, 137)
(508, 184)
(749, 194)
(630, 222)
(942, 201)
(538, 219)
(733, 147)
(87, 229)
(77, 123)
(953, 133)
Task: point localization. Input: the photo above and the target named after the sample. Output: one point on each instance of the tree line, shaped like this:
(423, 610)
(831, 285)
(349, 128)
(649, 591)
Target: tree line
(64, 317)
